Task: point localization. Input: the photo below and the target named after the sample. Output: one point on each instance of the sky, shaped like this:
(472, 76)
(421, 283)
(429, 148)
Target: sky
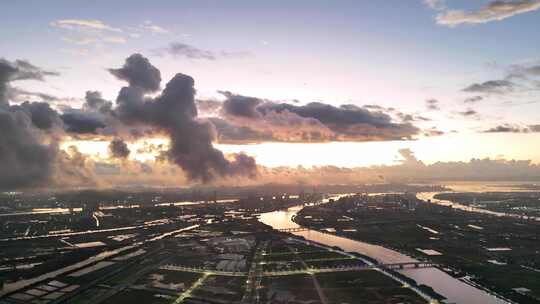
(265, 84)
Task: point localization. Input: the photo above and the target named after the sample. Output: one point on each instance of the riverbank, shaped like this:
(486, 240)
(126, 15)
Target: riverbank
(484, 251)
(453, 289)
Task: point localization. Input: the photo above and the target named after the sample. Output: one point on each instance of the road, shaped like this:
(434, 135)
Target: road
(188, 292)
(320, 292)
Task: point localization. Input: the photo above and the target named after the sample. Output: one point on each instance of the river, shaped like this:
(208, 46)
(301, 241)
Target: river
(431, 196)
(453, 289)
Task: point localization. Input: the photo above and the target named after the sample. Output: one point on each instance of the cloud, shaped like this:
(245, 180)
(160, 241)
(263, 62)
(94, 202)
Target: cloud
(80, 40)
(41, 114)
(349, 122)
(31, 132)
(234, 54)
(208, 107)
(411, 117)
(491, 87)
(512, 128)
(435, 4)
(15, 71)
(433, 132)
(84, 32)
(468, 112)
(114, 39)
(94, 38)
(25, 159)
(153, 28)
(524, 72)
(313, 122)
(507, 128)
(119, 148)
(404, 117)
(174, 113)
(409, 159)
(432, 104)
(412, 169)
(235, 134)
(494, 10)
(518, 78)
(94, 102)
(241, 106)
(534, 128)
(179, 49)
(473, 99)
(82, 122)
(139, 73)
(18, 95)
(84, 25)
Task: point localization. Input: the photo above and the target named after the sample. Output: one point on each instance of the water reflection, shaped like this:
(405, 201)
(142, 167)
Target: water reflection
(431, 196)
(454, 290)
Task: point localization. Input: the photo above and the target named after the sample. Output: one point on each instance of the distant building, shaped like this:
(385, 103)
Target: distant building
(412, 204)
(89, 209)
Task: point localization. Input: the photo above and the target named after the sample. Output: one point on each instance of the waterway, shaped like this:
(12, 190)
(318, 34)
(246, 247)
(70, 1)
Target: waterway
(453, 289)
(431, 196)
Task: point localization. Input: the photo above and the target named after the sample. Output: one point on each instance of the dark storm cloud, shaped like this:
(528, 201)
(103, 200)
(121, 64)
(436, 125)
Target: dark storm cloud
(119, 148)
(95, 117)
(240, 106)
(491, 87)
(24, 161)
(208, 106)
(432, 104)
(41, 114)
(22, 70)
(95, 102)
(349, 122)
(174, 113)
(313, 122)
(342, 119)
(227, 132)
(138, 72)
(18, 70)
(82, 122)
